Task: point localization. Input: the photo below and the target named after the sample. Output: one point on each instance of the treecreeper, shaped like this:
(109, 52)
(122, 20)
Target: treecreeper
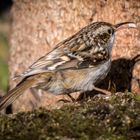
(76, 64)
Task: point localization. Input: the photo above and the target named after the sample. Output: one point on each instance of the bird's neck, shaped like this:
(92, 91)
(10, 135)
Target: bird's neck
(111, 44)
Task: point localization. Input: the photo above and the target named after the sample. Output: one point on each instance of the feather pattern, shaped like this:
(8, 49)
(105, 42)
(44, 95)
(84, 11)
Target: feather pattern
(85, 46)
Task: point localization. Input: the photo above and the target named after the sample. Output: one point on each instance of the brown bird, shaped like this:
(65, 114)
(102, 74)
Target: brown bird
(76, 64)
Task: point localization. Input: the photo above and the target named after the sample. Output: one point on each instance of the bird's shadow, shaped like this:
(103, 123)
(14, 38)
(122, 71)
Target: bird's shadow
(119, 79)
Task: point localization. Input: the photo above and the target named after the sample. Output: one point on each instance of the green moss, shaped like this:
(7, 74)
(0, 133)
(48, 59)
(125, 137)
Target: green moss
(98, 118)
(3, 61)
(3, 75)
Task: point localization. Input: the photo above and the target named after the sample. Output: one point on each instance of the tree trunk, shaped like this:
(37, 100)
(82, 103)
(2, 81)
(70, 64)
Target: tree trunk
(38, 25)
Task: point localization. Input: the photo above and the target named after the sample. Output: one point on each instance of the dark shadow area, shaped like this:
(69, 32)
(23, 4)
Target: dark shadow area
(119, 78)
(5, 6)
(8, 109)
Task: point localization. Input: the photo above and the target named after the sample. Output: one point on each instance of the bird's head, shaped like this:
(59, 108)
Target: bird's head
(104, 33)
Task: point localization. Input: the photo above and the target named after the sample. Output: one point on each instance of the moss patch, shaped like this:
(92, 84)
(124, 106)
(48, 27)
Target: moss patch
(98, 118)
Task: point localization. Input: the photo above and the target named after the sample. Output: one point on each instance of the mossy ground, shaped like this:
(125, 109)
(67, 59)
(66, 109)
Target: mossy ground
(96, 118)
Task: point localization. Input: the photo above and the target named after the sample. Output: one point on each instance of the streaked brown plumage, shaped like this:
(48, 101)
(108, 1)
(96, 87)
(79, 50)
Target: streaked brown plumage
(76, 64)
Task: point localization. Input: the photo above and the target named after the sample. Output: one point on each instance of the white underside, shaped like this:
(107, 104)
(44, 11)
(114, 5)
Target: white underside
(93, 75)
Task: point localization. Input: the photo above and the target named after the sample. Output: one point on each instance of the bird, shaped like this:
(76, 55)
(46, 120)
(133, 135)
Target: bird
(76, 64)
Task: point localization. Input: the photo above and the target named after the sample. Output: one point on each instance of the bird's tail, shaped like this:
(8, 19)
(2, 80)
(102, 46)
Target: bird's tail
(13, 94)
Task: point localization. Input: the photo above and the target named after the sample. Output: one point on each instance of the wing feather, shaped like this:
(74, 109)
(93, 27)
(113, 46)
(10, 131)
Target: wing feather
(74, 52)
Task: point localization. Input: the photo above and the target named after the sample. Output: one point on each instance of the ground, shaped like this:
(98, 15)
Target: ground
(96, 118)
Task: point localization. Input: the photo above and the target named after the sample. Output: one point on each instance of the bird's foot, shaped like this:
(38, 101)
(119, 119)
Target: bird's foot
(72, 99)
(68, 101)
(106, 92)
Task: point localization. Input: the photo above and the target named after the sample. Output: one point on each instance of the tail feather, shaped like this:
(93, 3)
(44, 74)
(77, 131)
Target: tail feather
(15, 93)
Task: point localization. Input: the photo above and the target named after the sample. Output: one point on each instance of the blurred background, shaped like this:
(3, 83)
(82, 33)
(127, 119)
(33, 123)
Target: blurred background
(5, 21)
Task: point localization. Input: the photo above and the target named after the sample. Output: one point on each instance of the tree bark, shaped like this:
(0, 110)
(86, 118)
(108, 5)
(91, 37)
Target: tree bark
(38, 25)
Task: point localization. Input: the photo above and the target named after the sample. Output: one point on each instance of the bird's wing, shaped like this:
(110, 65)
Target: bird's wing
(49, 63)
(73, 52)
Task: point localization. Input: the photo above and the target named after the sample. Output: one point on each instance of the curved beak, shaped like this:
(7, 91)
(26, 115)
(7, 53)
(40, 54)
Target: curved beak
(125, 25)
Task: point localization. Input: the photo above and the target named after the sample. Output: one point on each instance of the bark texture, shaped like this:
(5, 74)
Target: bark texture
(38, 25)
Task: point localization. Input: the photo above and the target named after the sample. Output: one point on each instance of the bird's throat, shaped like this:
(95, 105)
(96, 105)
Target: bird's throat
(111, 43)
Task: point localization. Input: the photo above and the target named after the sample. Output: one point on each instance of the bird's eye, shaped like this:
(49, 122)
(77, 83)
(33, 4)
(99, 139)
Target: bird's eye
(109, 31)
